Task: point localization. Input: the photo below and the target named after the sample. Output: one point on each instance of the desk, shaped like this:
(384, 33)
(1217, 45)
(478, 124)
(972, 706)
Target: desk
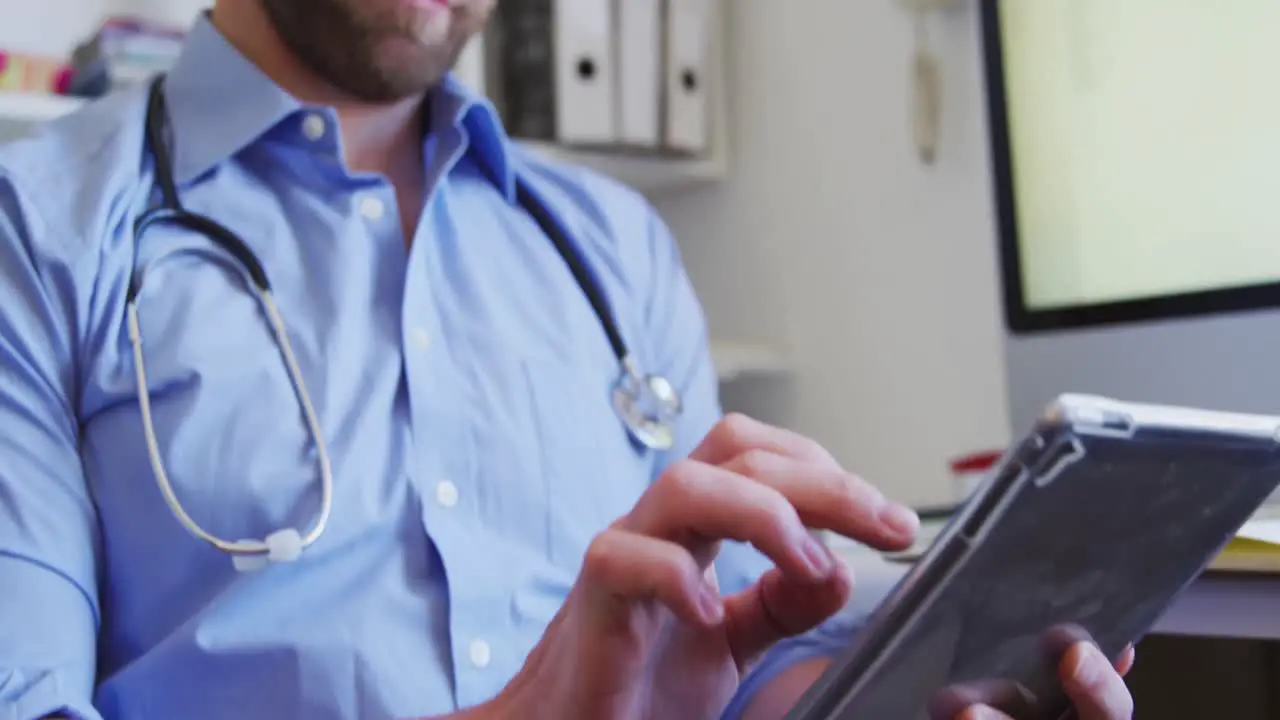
(1238, 597)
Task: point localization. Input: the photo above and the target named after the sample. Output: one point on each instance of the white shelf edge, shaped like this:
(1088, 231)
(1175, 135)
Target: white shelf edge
(734, 360)
(28, 107)
(641, 172)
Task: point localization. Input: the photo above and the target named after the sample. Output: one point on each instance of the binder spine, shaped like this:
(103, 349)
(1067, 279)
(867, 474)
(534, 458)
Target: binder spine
(527, 72)
(665, 64)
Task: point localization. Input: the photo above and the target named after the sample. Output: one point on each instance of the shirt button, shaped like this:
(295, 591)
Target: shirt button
(372, 208)
(421, 338)
(313, 127)
(446, 494)
(480, 653)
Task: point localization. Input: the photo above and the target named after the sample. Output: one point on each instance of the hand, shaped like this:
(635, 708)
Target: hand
(645, 632)
(1096, 689)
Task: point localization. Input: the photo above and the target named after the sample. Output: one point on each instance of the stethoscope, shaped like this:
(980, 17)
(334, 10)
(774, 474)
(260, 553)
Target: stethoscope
(647, 405)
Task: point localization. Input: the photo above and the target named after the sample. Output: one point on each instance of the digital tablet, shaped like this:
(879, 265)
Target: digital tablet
(1088, 529)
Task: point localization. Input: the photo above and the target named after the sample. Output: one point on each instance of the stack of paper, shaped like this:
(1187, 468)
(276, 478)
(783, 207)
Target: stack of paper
(1256, 546)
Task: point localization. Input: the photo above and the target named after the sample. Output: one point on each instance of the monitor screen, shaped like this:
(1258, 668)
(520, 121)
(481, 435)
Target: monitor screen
(1137, 149)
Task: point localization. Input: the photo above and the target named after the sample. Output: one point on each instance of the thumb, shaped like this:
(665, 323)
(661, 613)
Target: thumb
(778, 606)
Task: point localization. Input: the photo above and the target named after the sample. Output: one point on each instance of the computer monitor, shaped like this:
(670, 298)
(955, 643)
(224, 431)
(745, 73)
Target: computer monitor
(1136, 158)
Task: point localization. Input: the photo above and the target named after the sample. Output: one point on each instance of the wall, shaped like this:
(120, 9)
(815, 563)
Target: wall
(829, 240)
(54, 27)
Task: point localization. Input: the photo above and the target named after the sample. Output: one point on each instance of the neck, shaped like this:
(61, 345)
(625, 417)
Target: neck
(375, 137)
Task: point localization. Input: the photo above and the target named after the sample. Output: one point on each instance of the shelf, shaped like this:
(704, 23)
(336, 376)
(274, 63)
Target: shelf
(30, 108)
(736, 360)
(641, 172)
(649, 174)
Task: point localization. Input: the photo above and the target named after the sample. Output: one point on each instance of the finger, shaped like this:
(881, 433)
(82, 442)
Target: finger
(1011, 697)
(1125, 663)
(830, 498)
(623, 568)
(736, 434)
(1095, 688)
(982, 712)
(778, 606)
(695, 504)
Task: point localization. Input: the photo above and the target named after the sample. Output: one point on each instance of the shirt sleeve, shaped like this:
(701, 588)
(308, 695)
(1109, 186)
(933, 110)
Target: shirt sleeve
(826, 641)
(48, 527)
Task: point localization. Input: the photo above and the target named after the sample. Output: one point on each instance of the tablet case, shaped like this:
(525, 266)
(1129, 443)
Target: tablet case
(1088, 529)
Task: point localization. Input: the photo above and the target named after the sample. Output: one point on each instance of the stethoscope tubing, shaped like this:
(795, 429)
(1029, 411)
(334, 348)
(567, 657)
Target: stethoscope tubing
(652, 428)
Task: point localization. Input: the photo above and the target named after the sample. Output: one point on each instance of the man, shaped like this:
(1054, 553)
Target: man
(498, 546)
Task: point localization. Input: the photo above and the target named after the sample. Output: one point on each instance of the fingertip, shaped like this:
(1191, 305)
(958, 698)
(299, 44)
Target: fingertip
(903, 522)
(1070, 664)
(980, 712)
(1126, 661)
(1081, 665)
(817, 559)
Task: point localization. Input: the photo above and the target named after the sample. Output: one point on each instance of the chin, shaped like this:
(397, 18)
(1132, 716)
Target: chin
(403, 67)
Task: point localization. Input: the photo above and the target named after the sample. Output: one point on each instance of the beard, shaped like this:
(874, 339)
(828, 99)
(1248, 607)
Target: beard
(378, 51)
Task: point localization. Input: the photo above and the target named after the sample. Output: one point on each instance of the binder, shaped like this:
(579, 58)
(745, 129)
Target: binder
(686, 84)
(557, 70)
(638, 45)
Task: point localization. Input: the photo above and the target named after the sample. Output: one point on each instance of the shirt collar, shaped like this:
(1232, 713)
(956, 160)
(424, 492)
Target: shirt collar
(208, 129)
(483, 135)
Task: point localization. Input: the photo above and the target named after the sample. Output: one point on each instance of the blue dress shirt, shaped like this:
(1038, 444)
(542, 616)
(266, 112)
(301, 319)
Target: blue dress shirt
(462, 387)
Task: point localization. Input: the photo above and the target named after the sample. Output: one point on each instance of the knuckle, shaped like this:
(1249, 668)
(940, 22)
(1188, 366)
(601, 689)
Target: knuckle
(599, 555)
(756, 462)
(780, 516)
(812, 449)
(671, 572)
(681, 478)
(735, 427)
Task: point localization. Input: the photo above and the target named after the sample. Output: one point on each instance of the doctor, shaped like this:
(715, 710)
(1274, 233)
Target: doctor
(320, 399)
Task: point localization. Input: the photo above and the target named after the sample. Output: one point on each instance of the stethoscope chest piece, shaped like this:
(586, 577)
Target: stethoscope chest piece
(648, 405)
